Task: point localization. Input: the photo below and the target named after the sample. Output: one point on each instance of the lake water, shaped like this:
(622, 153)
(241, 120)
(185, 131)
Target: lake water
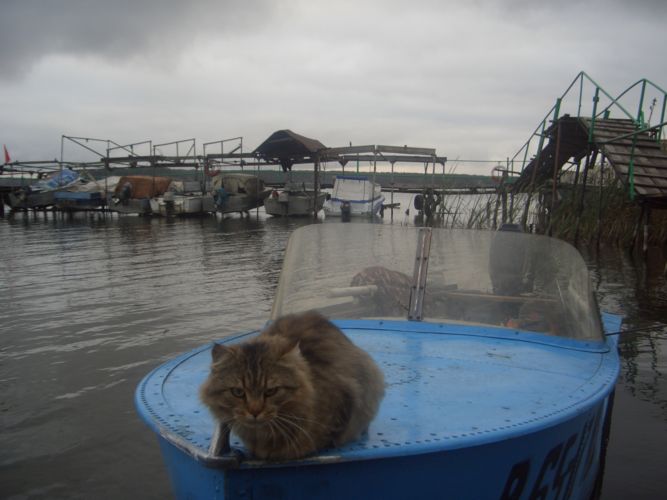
(89, 304)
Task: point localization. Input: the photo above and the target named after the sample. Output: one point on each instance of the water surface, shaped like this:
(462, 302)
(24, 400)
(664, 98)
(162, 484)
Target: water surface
(90, 304)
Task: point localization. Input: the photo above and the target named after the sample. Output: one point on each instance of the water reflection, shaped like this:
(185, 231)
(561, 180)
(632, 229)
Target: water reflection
(637, 289)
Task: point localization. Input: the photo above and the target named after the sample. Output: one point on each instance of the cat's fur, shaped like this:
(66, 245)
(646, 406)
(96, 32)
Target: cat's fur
(299, 386)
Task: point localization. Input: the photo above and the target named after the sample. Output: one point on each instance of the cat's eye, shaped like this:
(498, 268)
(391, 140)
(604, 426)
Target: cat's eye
(237, 392)
(270, 392)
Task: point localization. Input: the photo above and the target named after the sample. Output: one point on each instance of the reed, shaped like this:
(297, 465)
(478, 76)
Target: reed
(608, 216)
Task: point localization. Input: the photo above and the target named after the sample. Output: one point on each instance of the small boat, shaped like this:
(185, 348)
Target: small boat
(90, 195)
(42, 193)
(171, 204)
(79, 200)
(133, 193)
(238, 192)
(183, 198)
(499, 374)
(354, 196)
(294, 200)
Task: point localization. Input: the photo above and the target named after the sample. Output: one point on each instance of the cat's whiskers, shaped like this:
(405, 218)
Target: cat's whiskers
(303, 419)
(296, 428)
(287, 437)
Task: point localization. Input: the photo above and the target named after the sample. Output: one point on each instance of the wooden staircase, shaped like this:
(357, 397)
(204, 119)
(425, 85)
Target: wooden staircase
(638, 160)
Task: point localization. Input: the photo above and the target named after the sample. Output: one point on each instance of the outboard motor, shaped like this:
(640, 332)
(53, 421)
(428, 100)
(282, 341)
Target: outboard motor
(345, 211)
(220, 197)
(168, 199)
(125, 193)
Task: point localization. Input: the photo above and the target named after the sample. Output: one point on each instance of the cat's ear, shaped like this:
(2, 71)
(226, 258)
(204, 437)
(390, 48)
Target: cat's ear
(291, 350)
(218, 351)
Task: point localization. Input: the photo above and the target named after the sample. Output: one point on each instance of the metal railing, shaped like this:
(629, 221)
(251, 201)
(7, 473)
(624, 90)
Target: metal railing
(578, 89)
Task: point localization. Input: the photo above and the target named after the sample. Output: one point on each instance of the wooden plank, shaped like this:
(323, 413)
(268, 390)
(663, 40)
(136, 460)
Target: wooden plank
(405, 150)
(332, 152)
(396, 159)
(638, 172)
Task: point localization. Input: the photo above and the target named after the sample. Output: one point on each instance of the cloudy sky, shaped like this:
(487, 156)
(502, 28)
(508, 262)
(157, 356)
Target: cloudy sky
(472, 78)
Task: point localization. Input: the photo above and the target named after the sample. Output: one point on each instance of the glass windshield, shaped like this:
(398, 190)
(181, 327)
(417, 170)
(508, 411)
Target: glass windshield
(499, 278)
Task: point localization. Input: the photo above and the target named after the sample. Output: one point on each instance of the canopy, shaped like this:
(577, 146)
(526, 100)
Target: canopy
(287, 148)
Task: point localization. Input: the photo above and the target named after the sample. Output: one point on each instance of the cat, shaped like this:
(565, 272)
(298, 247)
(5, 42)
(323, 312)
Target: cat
(298, 387)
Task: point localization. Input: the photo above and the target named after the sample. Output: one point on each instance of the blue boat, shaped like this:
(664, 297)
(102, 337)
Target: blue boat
(79, 200)
(42, 193)
(499, 375)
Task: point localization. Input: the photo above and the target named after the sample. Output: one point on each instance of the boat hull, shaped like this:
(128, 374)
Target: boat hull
(133, 206)
(67, 200)
(560, 462)
(241, 202)
(32, 200)
(183, 205)
(363, 196)
(294, 205)
(358, 208)
(470, 412)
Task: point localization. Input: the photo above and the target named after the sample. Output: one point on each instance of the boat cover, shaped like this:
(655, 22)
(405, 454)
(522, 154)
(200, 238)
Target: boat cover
(143, 186)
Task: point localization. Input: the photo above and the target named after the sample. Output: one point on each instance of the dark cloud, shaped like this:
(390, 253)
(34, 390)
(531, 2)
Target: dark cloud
(33, 29)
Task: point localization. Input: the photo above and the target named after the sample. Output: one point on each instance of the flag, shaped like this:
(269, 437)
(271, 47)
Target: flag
(7, 158)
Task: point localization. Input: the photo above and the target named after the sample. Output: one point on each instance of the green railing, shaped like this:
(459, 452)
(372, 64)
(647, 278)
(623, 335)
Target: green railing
(582, 84)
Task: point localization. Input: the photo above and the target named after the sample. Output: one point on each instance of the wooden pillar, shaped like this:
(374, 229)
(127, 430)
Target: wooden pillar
(646, 220)
(576, 175)
(635, 234)
(503, 198)
(601, 196)
(590, 160)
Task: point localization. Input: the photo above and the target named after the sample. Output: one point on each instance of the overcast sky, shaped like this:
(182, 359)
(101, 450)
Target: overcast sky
(472, 78)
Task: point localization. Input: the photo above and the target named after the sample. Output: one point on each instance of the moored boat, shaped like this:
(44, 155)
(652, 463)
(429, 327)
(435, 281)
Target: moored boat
(294, 200)
(42, 193)
(133, 193)
(354, 195)
(183, 198)
(238, 192)
(172, 203)
(499, 374)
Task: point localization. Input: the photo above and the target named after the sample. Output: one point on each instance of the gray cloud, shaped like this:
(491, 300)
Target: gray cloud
(116, 30)
(472, 78)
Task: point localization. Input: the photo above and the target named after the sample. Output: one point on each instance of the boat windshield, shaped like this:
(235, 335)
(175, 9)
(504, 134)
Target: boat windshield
(492, 278)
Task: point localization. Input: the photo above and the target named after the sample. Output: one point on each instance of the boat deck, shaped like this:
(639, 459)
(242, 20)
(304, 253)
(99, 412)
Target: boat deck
(448, 387)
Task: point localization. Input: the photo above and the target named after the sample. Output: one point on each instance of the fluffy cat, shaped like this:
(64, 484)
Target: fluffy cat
(299, 386)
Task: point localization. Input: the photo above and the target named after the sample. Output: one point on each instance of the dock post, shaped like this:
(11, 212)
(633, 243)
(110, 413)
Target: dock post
(601, 197)
(635, 234)
(503, 197)
(590, 160)
(392, 192)
(316, 183)
(647, 216)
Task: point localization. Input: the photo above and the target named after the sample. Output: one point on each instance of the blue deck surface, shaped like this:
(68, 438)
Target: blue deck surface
(448, 387)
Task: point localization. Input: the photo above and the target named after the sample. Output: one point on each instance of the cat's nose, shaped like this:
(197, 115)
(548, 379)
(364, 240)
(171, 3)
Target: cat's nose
(254, 410)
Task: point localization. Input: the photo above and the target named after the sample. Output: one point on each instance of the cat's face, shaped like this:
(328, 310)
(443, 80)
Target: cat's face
(257, 385)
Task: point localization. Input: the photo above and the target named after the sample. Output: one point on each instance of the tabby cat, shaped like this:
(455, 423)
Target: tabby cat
(300, 386)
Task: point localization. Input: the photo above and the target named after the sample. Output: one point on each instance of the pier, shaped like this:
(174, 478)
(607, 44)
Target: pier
(589, 150)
